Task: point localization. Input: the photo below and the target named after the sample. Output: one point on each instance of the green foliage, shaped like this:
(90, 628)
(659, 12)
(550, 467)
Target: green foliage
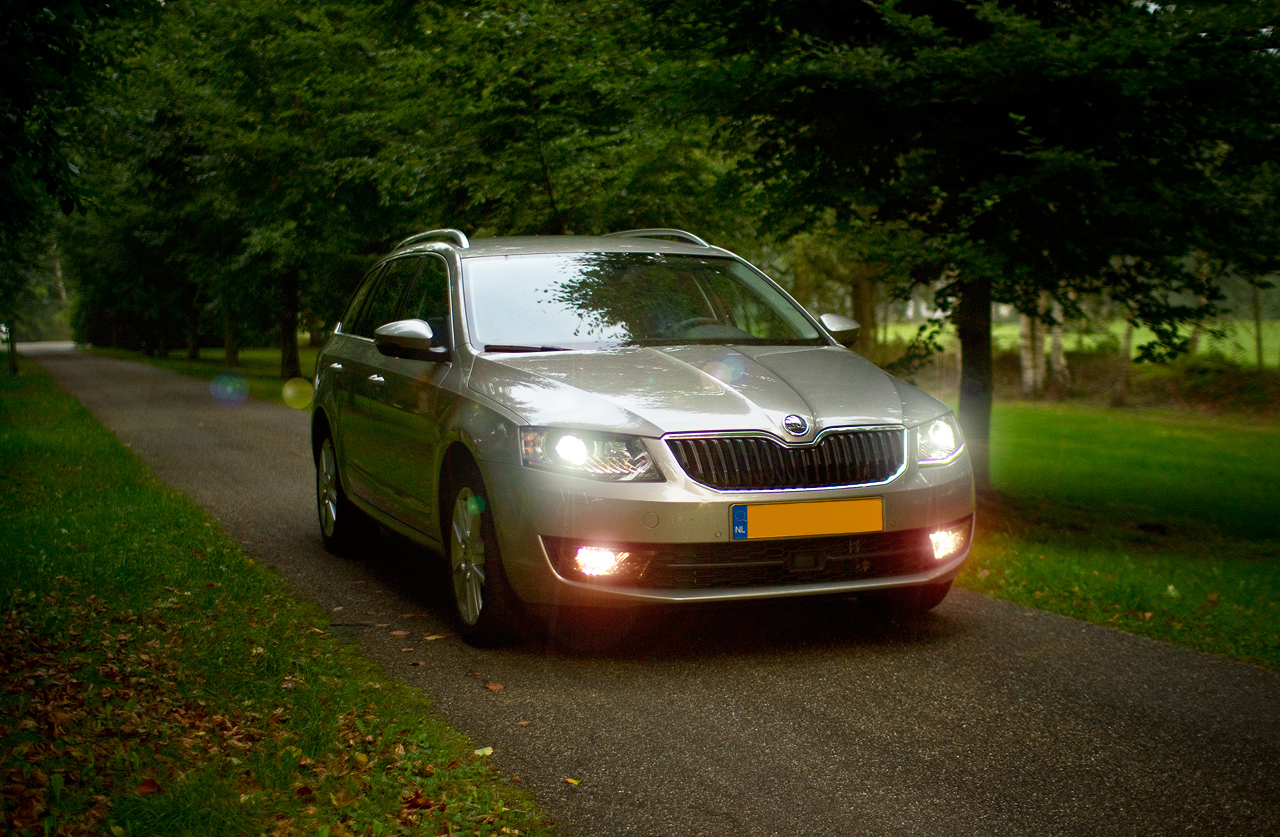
(50, 61)
(1033, 147)
(159, 681)
(260, 155)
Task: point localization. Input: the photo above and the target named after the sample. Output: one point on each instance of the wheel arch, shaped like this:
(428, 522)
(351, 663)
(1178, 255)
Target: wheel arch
(457, 458)
(320, 427)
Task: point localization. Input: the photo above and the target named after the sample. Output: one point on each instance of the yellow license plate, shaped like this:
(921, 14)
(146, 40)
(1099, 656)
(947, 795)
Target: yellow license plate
(806, 520)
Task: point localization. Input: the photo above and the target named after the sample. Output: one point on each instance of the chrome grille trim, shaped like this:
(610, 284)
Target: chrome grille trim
(751, 461)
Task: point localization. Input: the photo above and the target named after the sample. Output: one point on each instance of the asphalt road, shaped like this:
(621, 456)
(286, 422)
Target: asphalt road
(798, 718)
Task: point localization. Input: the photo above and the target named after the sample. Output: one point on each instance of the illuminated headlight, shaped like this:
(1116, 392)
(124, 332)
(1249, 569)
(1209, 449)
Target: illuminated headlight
(940, 440)
(950, 541)
(600, 456)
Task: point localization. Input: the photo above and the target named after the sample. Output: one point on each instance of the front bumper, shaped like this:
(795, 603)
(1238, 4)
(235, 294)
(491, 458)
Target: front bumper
(681, 531)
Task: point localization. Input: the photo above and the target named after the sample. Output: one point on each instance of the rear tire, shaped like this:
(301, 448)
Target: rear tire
(916, 600)
(343, 526)
(487, 608)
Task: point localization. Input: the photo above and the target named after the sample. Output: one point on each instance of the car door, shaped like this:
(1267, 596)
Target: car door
(337, 365)
(415, 405)
(367, 456)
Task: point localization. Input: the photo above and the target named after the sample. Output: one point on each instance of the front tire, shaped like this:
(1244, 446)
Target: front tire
(486, 607)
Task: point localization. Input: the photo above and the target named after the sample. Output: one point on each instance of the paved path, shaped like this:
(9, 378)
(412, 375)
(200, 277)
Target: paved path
(801, 718)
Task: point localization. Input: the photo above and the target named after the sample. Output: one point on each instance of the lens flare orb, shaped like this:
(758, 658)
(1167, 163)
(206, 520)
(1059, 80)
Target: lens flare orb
(297, 393)
(229, 388)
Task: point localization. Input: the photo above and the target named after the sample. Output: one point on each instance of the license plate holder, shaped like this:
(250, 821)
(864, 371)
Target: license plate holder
(805, 519)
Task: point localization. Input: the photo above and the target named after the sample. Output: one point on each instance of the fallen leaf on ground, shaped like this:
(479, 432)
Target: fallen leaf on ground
(494, 687)
(399, 633)
(147, 787)
(434, 637)
(569, 781)
(484, 751)
(522, 723)
(416, 801)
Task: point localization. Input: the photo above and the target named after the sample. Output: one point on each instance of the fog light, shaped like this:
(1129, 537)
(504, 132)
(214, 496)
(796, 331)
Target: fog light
(949, 541)
(594, 560)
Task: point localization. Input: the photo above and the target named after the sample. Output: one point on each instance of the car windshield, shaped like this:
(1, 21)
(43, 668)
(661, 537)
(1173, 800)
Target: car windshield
(599, 300)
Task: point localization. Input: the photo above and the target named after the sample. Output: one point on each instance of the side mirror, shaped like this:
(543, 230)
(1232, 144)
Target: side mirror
(408, 339)
(843, 329)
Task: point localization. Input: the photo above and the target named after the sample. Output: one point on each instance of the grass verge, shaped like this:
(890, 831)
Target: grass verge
(1186, 583)
(158, 681)
(1160, 523)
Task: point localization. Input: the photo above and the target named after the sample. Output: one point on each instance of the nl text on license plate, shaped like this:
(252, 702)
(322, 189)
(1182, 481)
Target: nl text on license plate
(806, 519)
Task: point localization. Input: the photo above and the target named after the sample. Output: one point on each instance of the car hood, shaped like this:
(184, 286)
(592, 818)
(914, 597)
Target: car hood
(654, 391)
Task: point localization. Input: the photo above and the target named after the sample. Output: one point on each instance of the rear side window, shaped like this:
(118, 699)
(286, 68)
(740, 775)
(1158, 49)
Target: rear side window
(383, 303)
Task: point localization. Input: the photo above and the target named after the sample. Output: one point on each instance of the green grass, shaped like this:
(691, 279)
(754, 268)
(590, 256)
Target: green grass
(158, 681)
(260, 368)
(1143, 464)
(1163, 524)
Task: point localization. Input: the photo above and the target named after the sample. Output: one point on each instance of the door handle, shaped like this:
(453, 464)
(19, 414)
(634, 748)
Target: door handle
(335, 367)
(377, 379)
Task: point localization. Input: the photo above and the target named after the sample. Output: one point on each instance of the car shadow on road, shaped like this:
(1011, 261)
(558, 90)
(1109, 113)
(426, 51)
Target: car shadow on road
(691, 632)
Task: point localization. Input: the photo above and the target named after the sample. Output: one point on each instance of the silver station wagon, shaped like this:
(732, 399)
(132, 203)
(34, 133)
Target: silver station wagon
(626, 419)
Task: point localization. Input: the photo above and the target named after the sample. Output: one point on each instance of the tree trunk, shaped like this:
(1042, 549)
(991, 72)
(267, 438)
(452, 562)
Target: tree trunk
(1059, 374)
(193, 333)
(973, 322)
(289, 364)
(1029, 347)
(230, 335)
(317, 335)
(1257, 323)
(864, 311)
(13, 349)
(1120, 391)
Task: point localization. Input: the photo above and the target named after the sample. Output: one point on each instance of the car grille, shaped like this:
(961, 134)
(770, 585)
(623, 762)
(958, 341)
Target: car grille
(716, 566)
(755, 463)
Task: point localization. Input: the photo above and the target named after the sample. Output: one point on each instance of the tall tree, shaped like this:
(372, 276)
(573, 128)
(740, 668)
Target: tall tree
(51, 56)
(1035, 145)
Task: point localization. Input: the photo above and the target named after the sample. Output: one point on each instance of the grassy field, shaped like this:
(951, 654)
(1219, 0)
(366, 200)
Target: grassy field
(158, 681)
(1143, 465)
(1159, 523)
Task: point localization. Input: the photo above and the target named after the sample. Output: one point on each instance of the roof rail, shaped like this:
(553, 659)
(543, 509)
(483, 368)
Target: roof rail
(658, 232)
(458, 237)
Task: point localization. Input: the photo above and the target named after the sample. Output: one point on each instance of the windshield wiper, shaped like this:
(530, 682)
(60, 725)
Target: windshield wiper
(501, 347)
